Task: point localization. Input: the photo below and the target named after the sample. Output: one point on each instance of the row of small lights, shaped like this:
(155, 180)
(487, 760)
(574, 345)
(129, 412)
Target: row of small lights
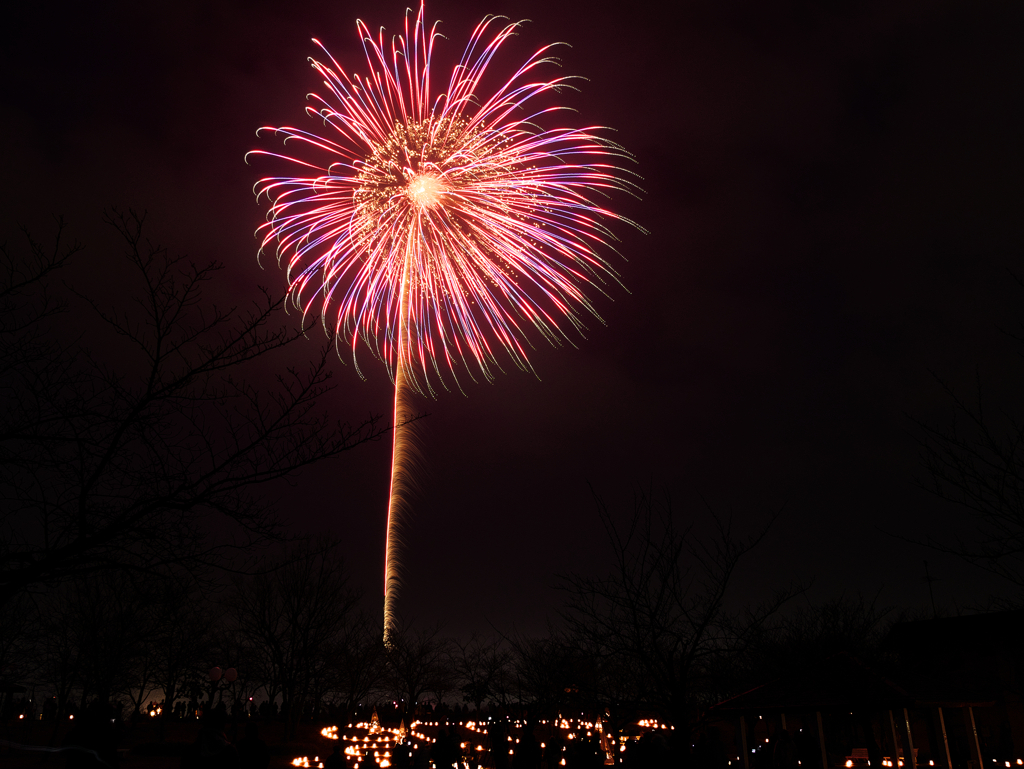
(331, 733)
(377, 738)
(888, 762)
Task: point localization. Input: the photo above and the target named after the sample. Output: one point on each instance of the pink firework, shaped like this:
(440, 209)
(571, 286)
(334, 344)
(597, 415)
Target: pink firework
(438, 227)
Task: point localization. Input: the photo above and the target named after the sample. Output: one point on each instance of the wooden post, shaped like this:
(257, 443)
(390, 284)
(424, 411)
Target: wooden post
(895, 743)
(972, 736)
(945, 740)
(821, 740)
(743, 742)
(908, 741)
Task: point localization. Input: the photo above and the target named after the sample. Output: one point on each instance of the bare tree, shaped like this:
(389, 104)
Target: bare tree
(355, 663)
(19, 643)
(114, 615)
(977, 462)
(810, 634)
(418, 663)
(28, 355)
(185, 622)
(154, 459)
(91, 639)
(480, 665)
(293, 616)
(659, 621)
(551, 675)
(58, 652)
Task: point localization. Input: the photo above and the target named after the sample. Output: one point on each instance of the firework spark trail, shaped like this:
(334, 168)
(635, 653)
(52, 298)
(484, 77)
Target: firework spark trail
(438, 228)
(401, 465)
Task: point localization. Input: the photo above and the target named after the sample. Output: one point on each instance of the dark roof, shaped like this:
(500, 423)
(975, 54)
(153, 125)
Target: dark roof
(841, 682)
(992, 633)
(965, 659)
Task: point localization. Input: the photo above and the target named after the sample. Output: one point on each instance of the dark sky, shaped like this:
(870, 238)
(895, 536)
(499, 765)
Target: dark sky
(833, 194)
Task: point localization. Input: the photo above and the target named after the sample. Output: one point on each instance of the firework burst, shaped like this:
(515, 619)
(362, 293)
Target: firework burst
(437, 228)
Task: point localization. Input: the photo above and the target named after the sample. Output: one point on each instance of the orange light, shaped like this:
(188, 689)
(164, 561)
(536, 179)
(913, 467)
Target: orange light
(425, 190)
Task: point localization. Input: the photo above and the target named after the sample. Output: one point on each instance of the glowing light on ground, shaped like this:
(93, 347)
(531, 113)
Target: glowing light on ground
(370, 744)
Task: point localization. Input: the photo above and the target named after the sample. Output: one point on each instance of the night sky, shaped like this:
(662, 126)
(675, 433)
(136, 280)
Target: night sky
(833, 192)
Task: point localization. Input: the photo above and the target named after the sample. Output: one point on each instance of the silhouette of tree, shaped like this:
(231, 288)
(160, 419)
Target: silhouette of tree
(554, 674)
(113, 615)
(812, 633)
(355, 662)
(480, 665)
(19, 635)
(658, 622)
(977, 462)
(156, 458)
(185, 621)
(292, 615)
(419, 662)
(91, 637)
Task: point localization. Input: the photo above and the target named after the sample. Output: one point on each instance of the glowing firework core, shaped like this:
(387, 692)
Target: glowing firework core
(425, 190)
(409, 171)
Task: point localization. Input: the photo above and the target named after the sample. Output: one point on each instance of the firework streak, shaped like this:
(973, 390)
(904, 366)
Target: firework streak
(436, 228)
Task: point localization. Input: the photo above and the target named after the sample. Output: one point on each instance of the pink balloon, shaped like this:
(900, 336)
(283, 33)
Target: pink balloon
(215, 674)
(230, 675)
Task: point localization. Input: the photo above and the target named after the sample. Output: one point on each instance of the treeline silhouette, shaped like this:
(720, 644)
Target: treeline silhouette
(305, 651)
(138, 551)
